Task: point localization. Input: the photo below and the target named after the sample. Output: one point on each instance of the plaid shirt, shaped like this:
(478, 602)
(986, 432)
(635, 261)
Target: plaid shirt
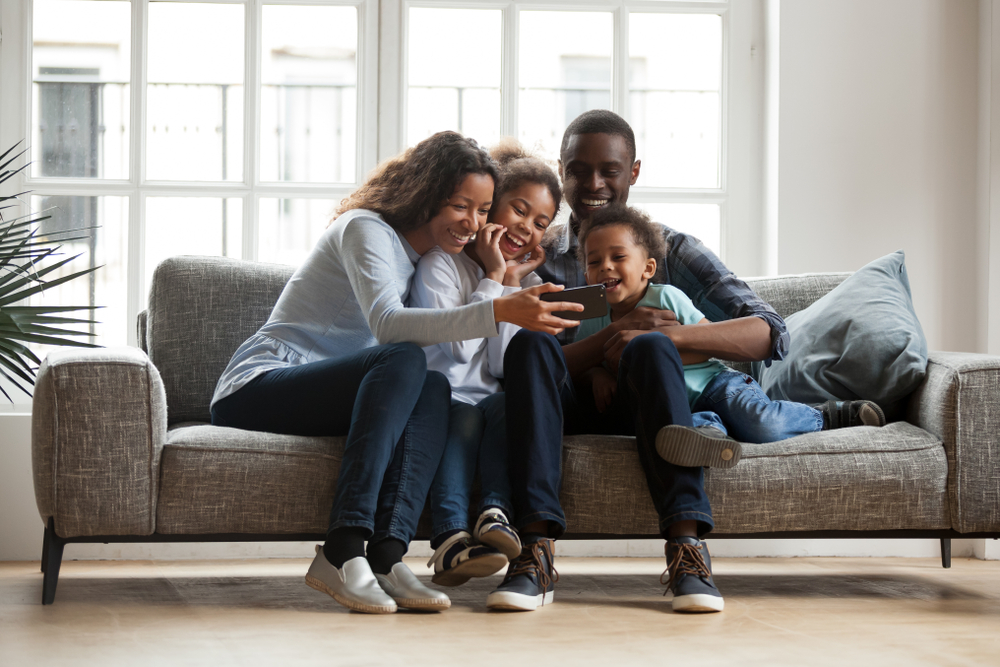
(689, 266)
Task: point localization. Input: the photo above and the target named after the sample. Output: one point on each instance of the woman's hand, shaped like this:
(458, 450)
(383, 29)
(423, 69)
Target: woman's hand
(516, 271)
(488, 249)
(527, 310)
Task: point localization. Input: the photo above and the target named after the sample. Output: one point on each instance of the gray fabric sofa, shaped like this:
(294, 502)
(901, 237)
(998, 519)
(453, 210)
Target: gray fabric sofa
(123, 452)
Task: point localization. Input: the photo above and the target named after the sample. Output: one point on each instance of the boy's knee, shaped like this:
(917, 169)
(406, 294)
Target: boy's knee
(647, 346)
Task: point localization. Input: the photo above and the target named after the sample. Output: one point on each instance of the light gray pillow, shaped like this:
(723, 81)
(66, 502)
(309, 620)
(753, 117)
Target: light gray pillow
(861, 340)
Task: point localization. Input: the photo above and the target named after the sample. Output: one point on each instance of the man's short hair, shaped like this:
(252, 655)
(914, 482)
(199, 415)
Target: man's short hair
(599, 121)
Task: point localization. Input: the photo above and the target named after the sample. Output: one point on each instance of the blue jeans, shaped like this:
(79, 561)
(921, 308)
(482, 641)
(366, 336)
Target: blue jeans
(543, 405)
(735, 404)
(476, 434)
(393, 411)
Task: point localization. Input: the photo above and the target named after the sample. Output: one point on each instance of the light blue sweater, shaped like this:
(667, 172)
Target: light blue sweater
(348, 295)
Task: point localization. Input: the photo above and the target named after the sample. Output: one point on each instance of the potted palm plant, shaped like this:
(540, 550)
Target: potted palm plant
(27, 256)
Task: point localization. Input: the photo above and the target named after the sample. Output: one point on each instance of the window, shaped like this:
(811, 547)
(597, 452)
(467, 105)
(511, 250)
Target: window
(233, 127)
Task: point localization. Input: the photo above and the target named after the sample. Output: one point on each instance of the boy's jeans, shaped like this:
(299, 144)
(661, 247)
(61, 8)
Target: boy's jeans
(477, 434)
(735, 404)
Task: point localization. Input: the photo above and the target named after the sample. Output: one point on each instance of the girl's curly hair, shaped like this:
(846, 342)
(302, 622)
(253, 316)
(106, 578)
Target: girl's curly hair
(518, 166)
(409, 189)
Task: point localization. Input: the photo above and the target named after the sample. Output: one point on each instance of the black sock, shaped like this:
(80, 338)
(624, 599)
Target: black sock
(440, 539)
(343, 544)
(385, 553)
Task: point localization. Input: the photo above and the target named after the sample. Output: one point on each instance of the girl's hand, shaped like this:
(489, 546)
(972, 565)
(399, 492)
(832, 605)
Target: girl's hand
(516, 271)
(488, 249)
(527, 310)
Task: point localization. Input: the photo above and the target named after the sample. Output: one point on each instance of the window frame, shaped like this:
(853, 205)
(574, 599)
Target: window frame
(16, 74)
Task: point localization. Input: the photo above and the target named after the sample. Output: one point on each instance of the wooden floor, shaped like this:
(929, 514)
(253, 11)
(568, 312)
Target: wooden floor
(607, 611)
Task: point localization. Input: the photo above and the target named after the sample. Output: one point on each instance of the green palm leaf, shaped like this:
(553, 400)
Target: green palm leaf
(27, 257)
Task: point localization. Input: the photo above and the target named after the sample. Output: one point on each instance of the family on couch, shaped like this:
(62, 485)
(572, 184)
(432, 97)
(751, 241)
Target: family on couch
(442, 249)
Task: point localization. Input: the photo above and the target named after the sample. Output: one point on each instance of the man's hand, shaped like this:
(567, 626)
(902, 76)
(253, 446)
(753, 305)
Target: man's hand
(645, 319)
(516, 271)
(604, 386)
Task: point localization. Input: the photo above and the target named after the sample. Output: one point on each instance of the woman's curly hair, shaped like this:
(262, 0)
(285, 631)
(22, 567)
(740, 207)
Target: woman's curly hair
(409, 189)
(518, 166)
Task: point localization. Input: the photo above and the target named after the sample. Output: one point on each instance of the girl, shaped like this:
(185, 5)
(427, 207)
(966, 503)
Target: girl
(500, 262)
(340, 355)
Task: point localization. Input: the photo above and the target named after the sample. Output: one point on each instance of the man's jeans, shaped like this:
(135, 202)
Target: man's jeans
(393, 411)
(542, 405)
(735, 404)
(477, 435)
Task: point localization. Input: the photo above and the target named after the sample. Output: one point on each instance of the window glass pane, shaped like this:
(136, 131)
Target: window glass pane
(675, 79)
(453, 73)
(106, 247)
(192, 226)
(194, 114)
(308, 97)
(564, 69)
(80, 92)
(700, 220)
(289, 228)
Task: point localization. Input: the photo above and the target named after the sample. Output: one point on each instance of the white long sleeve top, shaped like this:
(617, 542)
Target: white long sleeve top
(349, 295)
(448, 281)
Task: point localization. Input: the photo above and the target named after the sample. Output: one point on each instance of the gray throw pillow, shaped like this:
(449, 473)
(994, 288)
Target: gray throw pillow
(862, 340)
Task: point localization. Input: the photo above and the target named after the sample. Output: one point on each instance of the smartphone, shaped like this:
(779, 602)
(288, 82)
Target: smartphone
(593, 298)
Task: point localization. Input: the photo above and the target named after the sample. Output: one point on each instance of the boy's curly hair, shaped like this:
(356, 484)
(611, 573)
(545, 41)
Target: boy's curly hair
(518, 166)
(409, 189)
(646, 233)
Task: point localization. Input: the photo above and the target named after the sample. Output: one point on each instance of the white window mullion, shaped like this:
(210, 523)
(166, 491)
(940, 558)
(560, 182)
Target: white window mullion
(620, 64)
(391, 79)
(251, 131)
(509, 73)
(136, 291)
(369, 64)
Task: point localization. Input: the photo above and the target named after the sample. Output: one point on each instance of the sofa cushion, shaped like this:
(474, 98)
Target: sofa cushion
(200, 310)
(222, 480)
(862, 340)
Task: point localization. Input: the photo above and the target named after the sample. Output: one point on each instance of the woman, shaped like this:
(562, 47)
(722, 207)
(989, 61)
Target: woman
(340, 355)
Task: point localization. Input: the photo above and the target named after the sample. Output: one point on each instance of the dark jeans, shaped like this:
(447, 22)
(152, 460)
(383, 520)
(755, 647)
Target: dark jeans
(393, 411)
(543, 405)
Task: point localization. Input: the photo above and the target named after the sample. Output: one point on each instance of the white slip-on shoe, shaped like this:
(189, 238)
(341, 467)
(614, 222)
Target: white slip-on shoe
(353, 586)
(404, 587)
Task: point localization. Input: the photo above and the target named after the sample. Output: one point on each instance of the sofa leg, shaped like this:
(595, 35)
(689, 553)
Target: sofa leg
(51, 560)
(946, 552)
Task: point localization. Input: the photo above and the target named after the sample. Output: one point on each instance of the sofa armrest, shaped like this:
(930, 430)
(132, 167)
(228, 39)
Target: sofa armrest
(98, 423)
(959, 402)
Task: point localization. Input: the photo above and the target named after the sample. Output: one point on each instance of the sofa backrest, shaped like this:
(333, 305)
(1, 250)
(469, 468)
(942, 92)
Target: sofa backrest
(202, 308)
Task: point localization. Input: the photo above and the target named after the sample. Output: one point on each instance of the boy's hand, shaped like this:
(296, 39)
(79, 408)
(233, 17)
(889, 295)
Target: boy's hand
(604, 385)
(616, 345)
(516, 271)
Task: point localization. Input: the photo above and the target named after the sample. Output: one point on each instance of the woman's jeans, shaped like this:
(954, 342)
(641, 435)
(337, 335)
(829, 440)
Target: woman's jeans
(735, 404)
(393, 411)
(543, 405)
(476, 434)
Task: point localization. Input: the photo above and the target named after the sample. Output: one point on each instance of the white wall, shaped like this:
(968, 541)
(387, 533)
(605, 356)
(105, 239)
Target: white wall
(878, 150)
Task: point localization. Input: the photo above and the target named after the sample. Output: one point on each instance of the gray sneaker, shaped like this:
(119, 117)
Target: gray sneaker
(841, 414)
(697, 447)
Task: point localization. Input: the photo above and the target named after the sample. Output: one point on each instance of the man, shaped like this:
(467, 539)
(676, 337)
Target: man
(647, 348)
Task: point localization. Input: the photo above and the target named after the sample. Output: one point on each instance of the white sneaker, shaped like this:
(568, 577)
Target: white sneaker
(353, 586)
(457, 560)
(492, 528)
(404, 587)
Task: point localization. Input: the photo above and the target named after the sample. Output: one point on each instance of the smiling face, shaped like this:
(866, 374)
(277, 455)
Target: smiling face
(526, 212)
(596, 170)
(616, 261)
(453, 227)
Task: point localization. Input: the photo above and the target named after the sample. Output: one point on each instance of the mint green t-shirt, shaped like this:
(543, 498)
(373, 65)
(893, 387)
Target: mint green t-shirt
(668, 297)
